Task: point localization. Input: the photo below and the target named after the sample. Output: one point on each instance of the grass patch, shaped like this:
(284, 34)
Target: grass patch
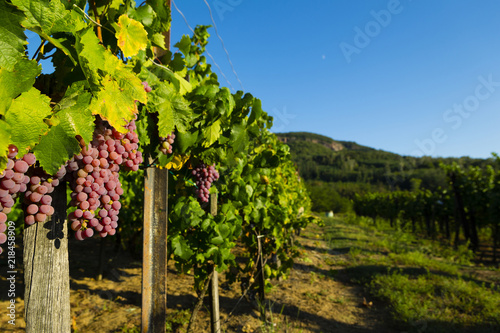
(445, 304)
(427, 285)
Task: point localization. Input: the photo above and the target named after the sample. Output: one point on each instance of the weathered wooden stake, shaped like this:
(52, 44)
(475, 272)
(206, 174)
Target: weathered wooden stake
(214, 285)
(155, 257)
(261, 278)
(154, 262)
(46, 271)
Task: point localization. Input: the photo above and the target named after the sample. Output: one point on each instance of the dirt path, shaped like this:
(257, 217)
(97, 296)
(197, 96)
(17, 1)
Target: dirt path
(316, 298)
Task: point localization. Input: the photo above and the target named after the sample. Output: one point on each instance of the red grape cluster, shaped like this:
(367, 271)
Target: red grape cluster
(166, 144)
(205, 176)
(147, 88)
(95, 180)
(12, 181)
(37, 197)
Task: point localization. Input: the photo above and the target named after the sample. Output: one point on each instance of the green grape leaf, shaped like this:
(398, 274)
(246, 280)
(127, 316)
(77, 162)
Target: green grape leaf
(183, 115)
(181, 248)
(75, 116)
(224, 230)
(56, 148)
(217, 240)
(214, 250)
(166, 123)
(200, 258)
(131, 36)
(25, 117)
(113, 105)
(143, 129)
(4, 143)
(212, 133)
(96, 62)
(256, 111)
(184, 45)
(115, 4)
(249, 190)
(184, 140)
(162, 14)
(46, 17)
(185, 86)
(12, 38)
(17, 81)
(145, 14)
(239, 136)
(205, 224)
(159, 40)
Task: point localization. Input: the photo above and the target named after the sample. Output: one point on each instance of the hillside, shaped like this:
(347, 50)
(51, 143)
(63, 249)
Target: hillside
(338, 169)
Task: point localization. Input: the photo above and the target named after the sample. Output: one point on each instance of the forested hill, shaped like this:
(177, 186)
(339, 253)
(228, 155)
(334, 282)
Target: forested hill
(353, 168)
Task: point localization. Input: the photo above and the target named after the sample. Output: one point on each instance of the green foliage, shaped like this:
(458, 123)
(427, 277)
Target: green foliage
(101, 59)
(424, 283)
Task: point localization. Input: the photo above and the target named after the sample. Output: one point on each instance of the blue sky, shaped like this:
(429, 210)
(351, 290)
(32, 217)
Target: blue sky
(424, 78)
(414, 77)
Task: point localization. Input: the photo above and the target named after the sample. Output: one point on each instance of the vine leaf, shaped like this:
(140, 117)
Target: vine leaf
(116, 88)
(46, 17)
(131, 36)
(75, 116)
(113, 105)
(239, 136)
(4, 143)
(17, 81)
(25, 117)
(56, 148)
(181, 247)
(177, 162)
(256, 111)
(165, 118)
(212, 133)
(12, 38)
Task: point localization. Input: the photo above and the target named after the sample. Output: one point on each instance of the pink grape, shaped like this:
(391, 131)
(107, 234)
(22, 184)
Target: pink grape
(3, 238)
(29, 219)
(21, 166)
(32, 209)
(29, 158)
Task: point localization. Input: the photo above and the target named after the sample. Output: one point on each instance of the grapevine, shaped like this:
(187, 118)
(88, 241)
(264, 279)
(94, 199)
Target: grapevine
(95, 179)
(166, 143)
(13, 180)
(98, 113)
(205, 176)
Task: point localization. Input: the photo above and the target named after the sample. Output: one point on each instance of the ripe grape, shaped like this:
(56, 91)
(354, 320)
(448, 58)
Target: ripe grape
(166, 144)
(94, 178)
(37, 197)
(204, 176)
(147, 88)
(13, 180)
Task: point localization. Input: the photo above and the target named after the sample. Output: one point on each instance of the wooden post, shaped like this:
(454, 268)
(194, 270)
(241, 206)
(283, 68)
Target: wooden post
(154, 264)
(155, 256)
(261, 278)
(214, 285)
(46, 271)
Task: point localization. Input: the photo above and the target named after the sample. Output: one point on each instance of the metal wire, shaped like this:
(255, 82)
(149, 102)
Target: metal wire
(222, 42)
(206, 51)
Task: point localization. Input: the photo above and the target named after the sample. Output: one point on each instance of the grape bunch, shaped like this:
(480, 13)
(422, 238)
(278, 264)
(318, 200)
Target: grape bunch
(147, 88)
(205, 176)
(13, 180)
(166, 144)
(132, 157)
(95, 180)
(37, 196)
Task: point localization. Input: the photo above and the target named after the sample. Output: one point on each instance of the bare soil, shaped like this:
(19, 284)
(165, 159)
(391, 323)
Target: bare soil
(317, 296)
